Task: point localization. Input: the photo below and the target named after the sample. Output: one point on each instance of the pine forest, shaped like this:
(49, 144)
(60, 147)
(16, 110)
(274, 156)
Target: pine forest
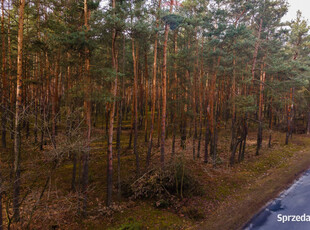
(149, 114)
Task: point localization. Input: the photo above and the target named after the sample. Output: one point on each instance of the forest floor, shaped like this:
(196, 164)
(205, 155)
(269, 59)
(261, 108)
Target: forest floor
(230, 195)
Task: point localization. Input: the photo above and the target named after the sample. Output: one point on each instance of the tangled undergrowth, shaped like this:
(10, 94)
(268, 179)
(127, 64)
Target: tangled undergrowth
(175, 180)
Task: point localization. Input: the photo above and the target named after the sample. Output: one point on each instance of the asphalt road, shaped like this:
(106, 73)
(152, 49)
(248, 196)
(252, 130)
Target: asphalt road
(293, 204)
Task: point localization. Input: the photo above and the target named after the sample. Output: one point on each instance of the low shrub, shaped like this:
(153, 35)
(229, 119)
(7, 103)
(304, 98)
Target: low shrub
(174, 180)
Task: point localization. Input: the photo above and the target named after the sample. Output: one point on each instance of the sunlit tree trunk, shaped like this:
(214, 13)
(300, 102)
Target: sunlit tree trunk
(150, 143)
(17, 137)
(12, 84)
(164, 94)
(146, 75)
(135, 92)
(213, 116)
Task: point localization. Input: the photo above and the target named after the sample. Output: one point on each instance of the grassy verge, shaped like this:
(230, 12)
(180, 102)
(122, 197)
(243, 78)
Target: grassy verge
(259, 181)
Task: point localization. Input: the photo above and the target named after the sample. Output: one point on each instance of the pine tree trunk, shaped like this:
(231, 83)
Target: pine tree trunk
(159, 96)
(118, 146)
(119, 126)
(1, 216)
(132, 121)
(111, 117)
(207, 122)
(245, 133)
(200, 108)
(17, 137)
(146, 75)
(74, 162)
(260, 109)
(150, 143)
(175, 94)
(256, 50)
(270, 123)
(4, 81)
(87, 108)
(207, 140)
(55, 101)
(135, 92)
(194, 97)
(12, 84)
(213, 110)
(233, 95)
(308, 125)
(164, 95)
(290, 114)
